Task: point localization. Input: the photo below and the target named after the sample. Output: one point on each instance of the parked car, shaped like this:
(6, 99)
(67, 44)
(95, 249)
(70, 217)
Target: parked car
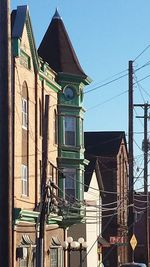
(133, 264)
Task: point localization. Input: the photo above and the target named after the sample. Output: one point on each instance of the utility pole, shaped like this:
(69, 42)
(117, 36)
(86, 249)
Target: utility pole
(40, 240)
(5, 137)
(146, 193)
(131, 176)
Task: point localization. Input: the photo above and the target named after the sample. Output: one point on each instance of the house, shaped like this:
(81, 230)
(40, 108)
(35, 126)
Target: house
(48, 148)
(90, 228)
(111, 151)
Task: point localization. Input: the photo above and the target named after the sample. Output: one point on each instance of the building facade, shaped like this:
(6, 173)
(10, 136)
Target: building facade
(111, 151)
(48, 149)
(90, 229)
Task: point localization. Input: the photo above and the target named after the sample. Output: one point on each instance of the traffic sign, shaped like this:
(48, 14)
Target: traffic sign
(133, 242)
(116, 239)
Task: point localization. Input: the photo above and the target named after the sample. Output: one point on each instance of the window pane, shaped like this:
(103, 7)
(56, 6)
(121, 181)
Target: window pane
(23, 263)
(70, 183)
(24, 180)
(24, 113)
(70, 131)
(54, 257)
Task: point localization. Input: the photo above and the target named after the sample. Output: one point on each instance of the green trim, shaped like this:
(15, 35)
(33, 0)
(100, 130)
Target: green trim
(25, 216)
(51, 84)
(32, 216)
(54, 219)
(16, 47)
(74, 78)
(32, 43)
(73, 161)
(86, 162)
(71, 106)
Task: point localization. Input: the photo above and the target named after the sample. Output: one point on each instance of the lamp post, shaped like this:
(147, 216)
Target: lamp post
(70, 245)
(82, 246)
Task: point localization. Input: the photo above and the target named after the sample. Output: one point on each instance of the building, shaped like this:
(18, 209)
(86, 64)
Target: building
(56, 49)
(48, 149)
(90, 229)
(111, 151)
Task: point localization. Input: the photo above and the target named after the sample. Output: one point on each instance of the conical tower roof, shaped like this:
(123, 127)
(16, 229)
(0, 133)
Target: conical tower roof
(56, 49)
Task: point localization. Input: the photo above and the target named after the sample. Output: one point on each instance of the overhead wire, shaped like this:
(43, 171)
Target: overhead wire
(142, 52)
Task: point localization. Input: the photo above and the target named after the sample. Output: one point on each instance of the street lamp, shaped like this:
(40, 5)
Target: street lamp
(82, 246)
(70, 245)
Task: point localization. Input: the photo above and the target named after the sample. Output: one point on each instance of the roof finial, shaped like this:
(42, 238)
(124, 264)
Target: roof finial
(56, 15)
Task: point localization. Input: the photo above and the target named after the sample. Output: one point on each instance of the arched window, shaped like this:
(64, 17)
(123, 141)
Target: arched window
(25, 119)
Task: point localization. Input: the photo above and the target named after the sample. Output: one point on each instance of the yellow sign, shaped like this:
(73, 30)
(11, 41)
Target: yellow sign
(133, 242)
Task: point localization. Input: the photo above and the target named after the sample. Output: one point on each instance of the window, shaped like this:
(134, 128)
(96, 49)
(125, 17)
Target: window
(70, 183)
(30, 260)
(23, 263)
(24, 113)
(55, 127)
(56, 257)
(70, 131)
(40, 118)
(81, 133)
(24, 180)
(25, 60)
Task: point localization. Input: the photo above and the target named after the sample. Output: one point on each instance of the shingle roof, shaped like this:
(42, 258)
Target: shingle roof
(89, 169)
(103, 143)
(88, 173)
(56, 49)
(18, 20)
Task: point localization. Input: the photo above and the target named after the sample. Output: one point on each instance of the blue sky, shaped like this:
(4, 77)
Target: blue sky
(105, 34)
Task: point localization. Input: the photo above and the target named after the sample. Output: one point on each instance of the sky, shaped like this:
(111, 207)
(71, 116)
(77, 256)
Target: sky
(105, 34)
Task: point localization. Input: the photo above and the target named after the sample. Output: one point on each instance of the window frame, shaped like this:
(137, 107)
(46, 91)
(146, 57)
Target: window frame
(72, 186)
(24, 113)
(73, 126)
(24, 180)
(58, 257)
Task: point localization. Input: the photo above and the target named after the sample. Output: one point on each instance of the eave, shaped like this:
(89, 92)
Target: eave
(74, 78)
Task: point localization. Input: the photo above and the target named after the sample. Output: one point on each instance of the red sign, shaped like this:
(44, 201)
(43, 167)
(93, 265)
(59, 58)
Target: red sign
(116, 239)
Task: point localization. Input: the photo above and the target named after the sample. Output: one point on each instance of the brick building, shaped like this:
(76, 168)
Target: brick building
(48, 144)
(111, 151)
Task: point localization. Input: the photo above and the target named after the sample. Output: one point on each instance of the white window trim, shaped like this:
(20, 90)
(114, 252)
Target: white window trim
(24, 114)
(24, 180)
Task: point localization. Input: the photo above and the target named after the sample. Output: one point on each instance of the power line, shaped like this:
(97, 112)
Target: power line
(108, 100)
(143, 51)
(104, 84)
